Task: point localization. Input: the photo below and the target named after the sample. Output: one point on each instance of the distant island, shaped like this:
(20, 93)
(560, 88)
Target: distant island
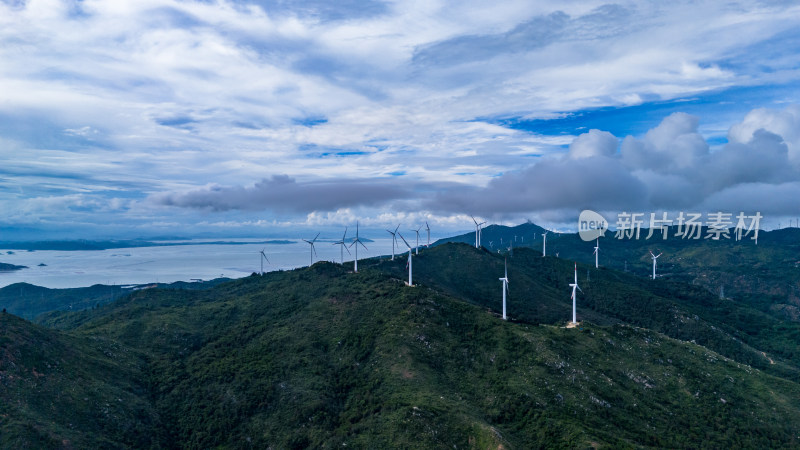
(10, 267)
(82, 244)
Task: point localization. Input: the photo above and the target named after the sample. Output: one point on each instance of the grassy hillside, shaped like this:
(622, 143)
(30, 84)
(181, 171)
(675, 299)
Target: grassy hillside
(63, 391)
(321, 358)
(765, 276)
(29, 301)
(539, 293)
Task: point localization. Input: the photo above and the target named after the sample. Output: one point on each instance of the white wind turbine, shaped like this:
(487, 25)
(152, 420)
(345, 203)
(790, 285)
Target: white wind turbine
(409, 259)
(596, 254)
(313, 250)
(655, 257)
(357, 241)
(416, 249)
(428, 229)
(574, 286)
(544, 244)
(263, 257)
(477, 232)
(343, 245)
(394, 239)
(505, 288)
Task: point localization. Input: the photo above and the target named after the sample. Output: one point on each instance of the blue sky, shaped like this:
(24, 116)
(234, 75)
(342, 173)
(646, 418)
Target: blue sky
(250, 118)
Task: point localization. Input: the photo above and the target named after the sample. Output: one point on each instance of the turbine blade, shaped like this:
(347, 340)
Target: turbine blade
(404, 240)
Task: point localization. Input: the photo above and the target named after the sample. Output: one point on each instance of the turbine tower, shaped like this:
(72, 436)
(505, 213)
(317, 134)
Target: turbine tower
(477, 232)
(655, 257)
(416, 249)
(428, 229)
(263, 257)
(409, 264)
(574, 286)
(356, 241)
(343, 245)
(544, 244)
(596, 254)
(505, 288)
(313, 250)
(394, 238)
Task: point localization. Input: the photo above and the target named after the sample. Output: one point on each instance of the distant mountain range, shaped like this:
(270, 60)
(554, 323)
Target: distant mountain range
(321, 357)
(82, 244)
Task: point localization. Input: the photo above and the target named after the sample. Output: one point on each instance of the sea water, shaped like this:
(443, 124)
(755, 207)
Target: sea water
(174, 261)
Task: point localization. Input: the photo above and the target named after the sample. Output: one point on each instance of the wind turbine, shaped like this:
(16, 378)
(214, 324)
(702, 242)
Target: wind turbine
(544, 244)
(409, 259)
(416, 249)
(505, 288)
(575, 286)
(477, 232)
(428, 229)
(356, 241)
(655, 257)
(394, 239)
(596, 254)
(313, 250)
(343, 245)
(263, 257)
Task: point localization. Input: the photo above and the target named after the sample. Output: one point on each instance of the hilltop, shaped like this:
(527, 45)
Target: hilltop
(765, 275)
(321, 357)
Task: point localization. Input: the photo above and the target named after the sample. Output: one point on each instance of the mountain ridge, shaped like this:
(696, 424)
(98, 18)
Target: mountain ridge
(321, 357)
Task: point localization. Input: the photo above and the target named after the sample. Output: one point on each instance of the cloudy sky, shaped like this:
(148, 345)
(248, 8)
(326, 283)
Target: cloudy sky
(161, 117)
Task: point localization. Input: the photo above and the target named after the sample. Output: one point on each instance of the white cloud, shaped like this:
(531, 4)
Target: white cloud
(166, 97)
(593, 143)
(785, 123)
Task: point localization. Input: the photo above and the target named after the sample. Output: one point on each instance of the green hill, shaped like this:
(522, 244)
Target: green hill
(765, 276)
(58, 390)
(321, 358)
(29, 301)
